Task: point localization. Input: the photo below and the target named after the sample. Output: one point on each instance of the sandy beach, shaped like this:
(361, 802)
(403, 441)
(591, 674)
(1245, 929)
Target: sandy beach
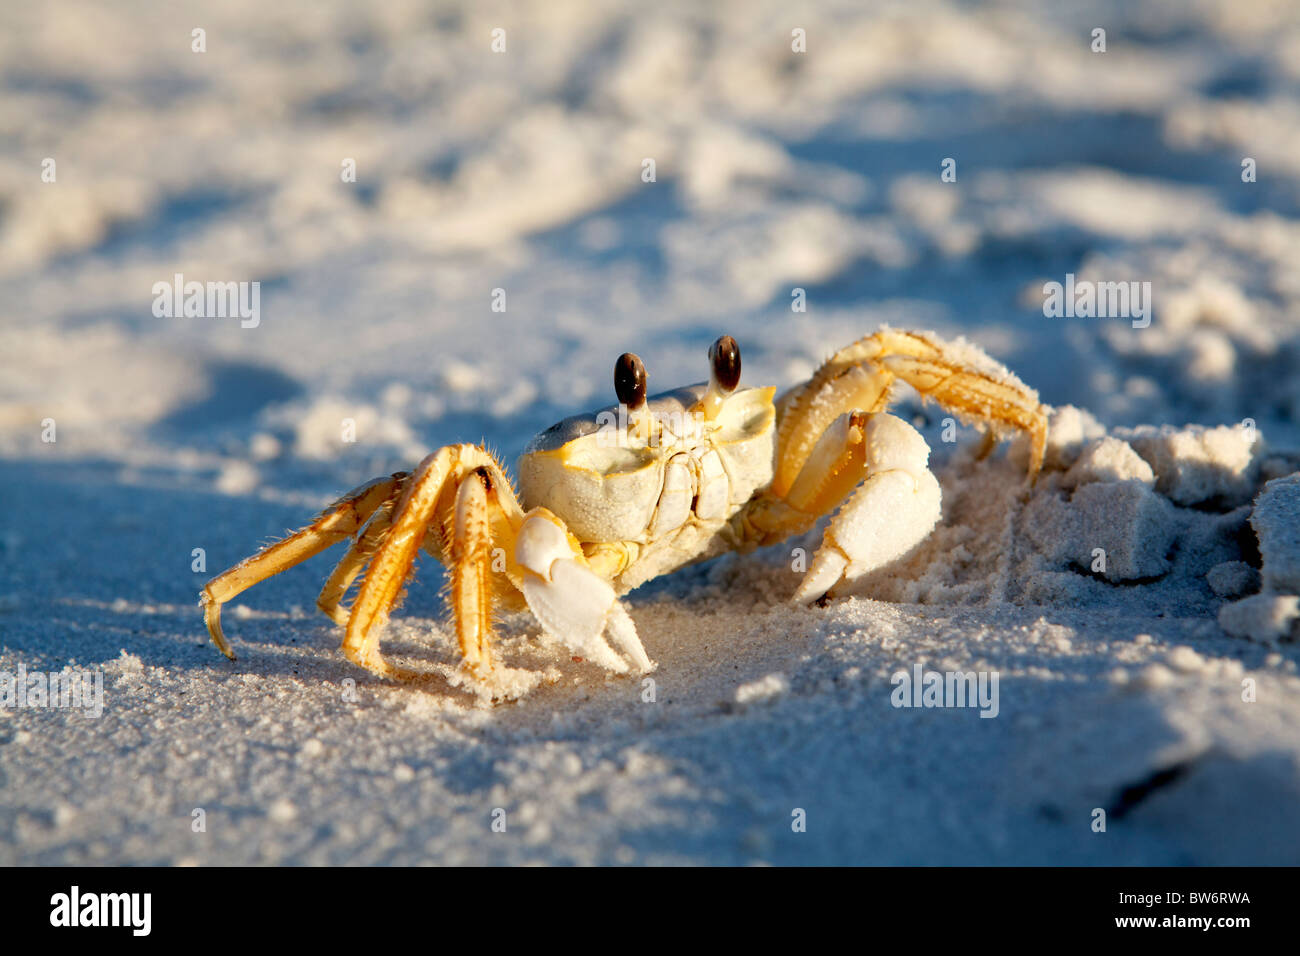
(455, 231)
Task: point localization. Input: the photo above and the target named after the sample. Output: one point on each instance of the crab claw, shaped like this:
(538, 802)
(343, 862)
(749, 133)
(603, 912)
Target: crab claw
(574, 605)
(893, 510)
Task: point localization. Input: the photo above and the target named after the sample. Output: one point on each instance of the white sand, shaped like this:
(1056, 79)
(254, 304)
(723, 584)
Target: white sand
(1174, 447)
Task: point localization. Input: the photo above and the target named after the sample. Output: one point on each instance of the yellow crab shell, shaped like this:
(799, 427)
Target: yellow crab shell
(606, 481)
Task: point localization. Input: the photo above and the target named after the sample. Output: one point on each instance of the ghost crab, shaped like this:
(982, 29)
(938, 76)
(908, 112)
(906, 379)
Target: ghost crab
(611, 499)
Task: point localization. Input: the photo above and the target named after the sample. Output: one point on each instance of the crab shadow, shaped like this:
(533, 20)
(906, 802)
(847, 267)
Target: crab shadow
(122, 560)
(235, 393)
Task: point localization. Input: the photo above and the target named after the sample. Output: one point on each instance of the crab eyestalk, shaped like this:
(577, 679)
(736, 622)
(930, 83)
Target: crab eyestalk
(630, 386)
(724, 375)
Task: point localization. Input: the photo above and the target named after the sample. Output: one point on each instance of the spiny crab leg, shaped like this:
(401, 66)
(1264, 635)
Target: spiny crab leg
(371, 535)
(336, 523)
(458, 489)
(471, 572)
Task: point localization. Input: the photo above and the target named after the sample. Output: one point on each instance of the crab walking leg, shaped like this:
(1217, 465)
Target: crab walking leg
(336, 523)
(894, 510)
(574, 605)
(330, 600)
(957, 375)
(471, 578)
(418, 511)
(978, 398)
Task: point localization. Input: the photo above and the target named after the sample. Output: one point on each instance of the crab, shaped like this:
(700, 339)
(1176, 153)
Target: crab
(608, 500)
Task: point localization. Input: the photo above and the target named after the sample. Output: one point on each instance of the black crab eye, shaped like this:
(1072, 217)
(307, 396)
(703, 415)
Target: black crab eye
(724, 355)
(630, 380)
